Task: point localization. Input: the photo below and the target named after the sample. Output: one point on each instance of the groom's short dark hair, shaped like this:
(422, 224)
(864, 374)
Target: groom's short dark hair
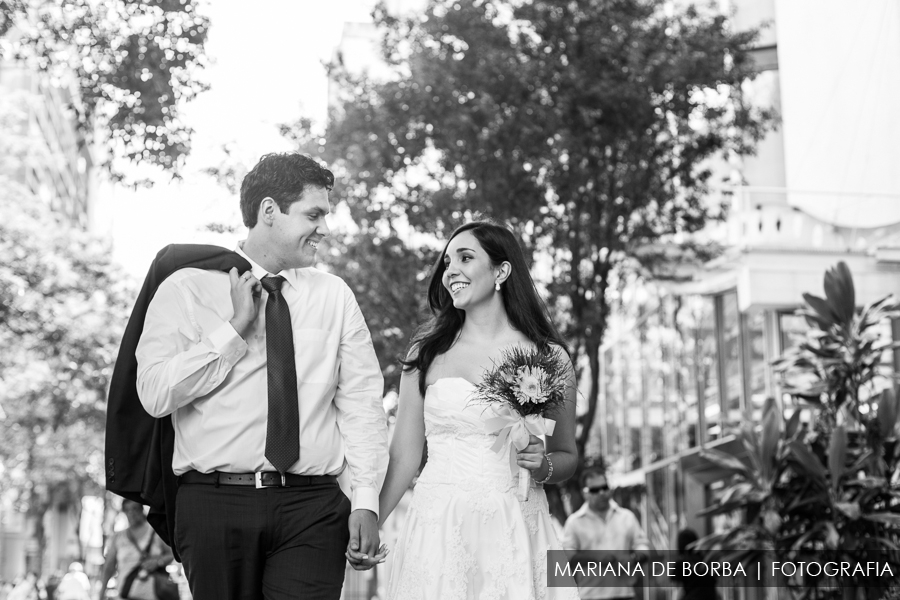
(283, 177)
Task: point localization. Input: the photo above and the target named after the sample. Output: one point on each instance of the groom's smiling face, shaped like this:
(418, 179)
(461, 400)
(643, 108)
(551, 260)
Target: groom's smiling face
(296, 233)
(468, 273)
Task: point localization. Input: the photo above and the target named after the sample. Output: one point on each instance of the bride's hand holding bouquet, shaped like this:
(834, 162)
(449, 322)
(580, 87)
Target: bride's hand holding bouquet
(523, 386)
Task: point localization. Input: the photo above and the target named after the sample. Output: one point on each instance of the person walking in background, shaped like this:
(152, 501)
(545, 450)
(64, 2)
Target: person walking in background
(273, 386)
(125, 549)
(74, 585)
(467, 535)
(601, 525)
(27, 589)
(694, 586)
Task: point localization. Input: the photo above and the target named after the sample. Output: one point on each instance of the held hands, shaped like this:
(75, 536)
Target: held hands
(363, 551)
(245, 291)
(532, 456)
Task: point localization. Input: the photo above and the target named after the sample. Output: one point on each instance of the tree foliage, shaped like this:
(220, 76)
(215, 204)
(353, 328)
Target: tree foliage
(589, 127)
(134, 63)
(63, 307)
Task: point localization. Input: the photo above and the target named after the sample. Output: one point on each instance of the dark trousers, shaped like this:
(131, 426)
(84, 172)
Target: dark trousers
(241, 543)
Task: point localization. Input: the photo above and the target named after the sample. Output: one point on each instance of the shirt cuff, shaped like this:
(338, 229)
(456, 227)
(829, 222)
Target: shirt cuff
(364, 498)
(225, 340)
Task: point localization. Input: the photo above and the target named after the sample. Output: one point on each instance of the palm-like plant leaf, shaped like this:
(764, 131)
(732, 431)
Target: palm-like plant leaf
(823, 311)
(732, 465)
(837, 456)
(808, 462)
(884, 517)
(888, 410)
(840, 291)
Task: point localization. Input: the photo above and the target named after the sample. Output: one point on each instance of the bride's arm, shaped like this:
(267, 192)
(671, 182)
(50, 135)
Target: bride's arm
(561, 448)
(406, 445)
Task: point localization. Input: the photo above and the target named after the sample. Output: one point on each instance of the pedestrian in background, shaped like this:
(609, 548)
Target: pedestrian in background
(126, 548)
(74, 585)
(28, 588)
(694, 586)
(601, 525)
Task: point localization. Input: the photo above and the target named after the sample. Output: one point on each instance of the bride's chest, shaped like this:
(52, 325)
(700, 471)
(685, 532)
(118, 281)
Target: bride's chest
(453, 408)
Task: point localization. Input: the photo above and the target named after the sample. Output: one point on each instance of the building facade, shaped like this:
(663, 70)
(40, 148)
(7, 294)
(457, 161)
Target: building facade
(688, 363)
(57, 165)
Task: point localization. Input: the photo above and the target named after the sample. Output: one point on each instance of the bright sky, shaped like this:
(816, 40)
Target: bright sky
(267, 70)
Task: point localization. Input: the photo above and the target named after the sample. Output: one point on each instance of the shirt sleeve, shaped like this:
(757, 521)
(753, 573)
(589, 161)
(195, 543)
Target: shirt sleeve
(360, 412)
(177, 363)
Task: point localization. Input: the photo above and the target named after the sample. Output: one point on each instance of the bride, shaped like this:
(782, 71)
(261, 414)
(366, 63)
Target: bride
(466, 535)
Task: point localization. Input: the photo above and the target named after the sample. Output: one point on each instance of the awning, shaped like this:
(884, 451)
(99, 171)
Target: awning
(706, 471)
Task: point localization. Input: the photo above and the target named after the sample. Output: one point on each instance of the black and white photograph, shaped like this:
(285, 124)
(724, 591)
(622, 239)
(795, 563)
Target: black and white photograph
(450, 300)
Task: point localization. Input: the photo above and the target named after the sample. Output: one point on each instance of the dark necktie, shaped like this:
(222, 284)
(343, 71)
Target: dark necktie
(283, 427)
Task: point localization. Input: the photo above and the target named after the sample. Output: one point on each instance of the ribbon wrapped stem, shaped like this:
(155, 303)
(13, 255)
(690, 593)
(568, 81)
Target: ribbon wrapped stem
(524, 487)
(514, 432)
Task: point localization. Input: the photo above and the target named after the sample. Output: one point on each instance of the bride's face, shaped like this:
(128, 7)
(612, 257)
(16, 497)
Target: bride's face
(468, 273)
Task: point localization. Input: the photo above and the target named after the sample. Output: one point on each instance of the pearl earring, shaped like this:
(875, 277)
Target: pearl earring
(497, 285)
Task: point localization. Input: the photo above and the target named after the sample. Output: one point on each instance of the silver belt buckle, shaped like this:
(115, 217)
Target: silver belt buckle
(259, 484)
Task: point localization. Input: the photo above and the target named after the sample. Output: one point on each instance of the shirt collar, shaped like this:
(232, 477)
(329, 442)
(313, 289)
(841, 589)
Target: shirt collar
(290, 275)
(613, 508)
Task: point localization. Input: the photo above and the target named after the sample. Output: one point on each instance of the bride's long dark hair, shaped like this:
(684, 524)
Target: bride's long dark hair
(525, 310)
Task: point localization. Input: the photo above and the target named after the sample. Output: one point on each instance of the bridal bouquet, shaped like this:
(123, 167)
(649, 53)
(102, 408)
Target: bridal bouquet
(522, 387)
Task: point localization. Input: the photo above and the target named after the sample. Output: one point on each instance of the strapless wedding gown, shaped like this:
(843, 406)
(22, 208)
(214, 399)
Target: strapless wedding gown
(466, 536)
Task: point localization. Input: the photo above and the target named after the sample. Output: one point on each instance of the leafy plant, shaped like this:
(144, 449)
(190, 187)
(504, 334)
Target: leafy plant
(830, 488)
(63, 308)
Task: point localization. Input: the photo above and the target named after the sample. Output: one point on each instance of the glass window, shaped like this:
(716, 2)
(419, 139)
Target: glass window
(613, 395)
(632, 395)
(654, 397)
(731, 360)
(674, 437)
(657, 507)
(755, 345)
(677, 515)
(791, 332)
(686, 385)
(791, 329)
(706, 360)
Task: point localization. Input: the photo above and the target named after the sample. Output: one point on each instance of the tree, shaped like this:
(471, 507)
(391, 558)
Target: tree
(63, 307)
(590, 127)
(134, 64)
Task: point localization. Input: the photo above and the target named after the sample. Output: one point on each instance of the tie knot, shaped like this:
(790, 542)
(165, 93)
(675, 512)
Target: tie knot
(272, 283)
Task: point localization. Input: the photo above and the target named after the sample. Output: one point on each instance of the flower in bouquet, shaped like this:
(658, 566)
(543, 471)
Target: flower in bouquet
(530, 381)
(524, 384)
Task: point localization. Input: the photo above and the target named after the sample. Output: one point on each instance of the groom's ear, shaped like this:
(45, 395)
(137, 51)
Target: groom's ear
(267, 210)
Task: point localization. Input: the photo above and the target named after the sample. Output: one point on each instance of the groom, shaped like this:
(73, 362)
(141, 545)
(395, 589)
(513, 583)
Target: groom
(273, 386)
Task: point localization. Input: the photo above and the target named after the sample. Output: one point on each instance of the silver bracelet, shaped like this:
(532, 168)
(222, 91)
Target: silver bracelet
(549, 472)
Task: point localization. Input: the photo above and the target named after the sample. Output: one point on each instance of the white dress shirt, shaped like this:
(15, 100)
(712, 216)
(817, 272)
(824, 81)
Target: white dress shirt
(193, 365)
(620, 532)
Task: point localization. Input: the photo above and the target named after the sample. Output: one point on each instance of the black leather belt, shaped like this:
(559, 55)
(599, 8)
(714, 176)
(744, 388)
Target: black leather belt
(260, 479)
